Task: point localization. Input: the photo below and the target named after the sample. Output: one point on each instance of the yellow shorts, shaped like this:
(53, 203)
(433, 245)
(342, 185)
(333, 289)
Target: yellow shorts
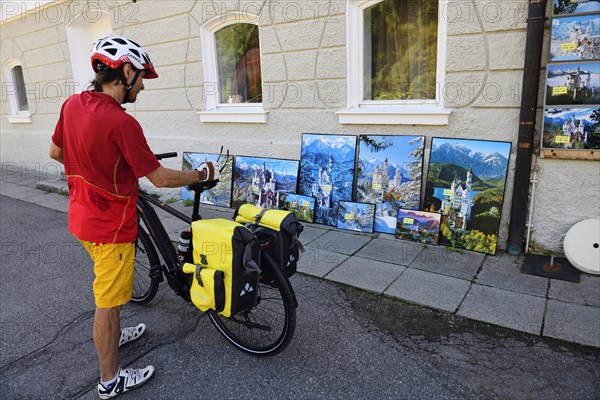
(113, 267)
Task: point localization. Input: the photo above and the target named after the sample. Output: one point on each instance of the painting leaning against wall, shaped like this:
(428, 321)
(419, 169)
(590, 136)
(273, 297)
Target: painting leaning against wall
(220, 195)
(466, 183)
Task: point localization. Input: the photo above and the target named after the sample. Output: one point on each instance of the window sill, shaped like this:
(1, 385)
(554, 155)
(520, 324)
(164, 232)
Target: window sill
(252, 115)
(19, 119)
(395, 116)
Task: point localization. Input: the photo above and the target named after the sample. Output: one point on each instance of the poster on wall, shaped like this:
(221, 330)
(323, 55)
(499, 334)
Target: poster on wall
(573, 83)
(302, 206)
(327, 173)
(261, 181)
(220, 195)
(418, 226)
(358, 217)
(465, 183)
(571, 128)
(562, 7)
(389, 172)
(575, 38)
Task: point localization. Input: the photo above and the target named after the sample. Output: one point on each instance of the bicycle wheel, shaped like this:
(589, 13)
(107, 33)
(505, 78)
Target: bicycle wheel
(267, 328)
(146, 262)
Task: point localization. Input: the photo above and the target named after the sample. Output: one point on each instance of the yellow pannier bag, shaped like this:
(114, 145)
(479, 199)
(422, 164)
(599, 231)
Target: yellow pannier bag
(282, 227)
(227, 248)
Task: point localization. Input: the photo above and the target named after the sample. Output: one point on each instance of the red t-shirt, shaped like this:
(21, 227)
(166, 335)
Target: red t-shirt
(104, 154)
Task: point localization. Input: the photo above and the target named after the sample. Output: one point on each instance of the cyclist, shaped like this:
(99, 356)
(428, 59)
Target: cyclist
(104, 152)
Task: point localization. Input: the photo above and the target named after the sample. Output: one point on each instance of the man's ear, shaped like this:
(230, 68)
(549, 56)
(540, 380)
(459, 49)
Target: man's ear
(127, 70)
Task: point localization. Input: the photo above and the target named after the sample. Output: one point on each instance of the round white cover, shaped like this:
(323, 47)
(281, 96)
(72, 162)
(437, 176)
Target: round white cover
(582, 246)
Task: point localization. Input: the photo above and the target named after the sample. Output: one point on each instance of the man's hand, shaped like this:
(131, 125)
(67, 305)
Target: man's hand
(208, 172)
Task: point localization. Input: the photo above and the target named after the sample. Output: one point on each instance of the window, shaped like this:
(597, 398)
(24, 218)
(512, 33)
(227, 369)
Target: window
(395, 63)
(232, 70)
(16, 93)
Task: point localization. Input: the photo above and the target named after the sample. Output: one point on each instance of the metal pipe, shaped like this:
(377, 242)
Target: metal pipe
(531, 82)
(533, 184)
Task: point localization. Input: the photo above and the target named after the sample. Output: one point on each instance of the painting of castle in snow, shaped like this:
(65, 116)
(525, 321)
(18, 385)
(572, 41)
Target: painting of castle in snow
(220, 195)
(389, 175)
(575, 38)
(576, 6)
(302, 206)
(418, 226)
(572, 128)
(356, 216)
(574, 83)
(260, 181)
(327, 173)
(465, 183)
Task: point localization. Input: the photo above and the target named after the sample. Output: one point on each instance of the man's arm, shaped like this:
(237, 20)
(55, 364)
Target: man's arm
(172, 178)
(56, 153)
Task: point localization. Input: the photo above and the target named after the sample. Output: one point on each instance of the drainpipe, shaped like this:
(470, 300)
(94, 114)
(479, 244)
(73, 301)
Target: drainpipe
(531, 84)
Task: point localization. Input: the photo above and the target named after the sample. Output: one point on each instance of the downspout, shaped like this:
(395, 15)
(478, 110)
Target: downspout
(531, 84)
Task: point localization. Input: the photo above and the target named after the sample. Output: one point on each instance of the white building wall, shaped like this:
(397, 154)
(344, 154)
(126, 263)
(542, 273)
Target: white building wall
(304, 77)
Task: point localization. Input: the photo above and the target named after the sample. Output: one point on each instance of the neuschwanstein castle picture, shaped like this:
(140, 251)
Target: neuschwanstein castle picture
(389, 174)
(465, 183)
(327, 173)
(220, 195)
(572, 128)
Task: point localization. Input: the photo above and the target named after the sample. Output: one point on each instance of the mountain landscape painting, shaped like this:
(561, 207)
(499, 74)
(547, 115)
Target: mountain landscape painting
(389, 175)
(327, 173)
(220, 195)
(465, 183)
(571, 128)
(574, 83)
(418, 226)
(261, 181)
(356, 216)
(575, 38)
(302, 206)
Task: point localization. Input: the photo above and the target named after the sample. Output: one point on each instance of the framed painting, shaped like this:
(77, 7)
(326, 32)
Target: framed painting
(575, 38)
(465, 183)
(357, 217)
(389, 172)
(573, 83)
(302, 206)
(571, 128)
(562, 7)
(220, 195)
(418, 226)
(327, 173)
(260, 181)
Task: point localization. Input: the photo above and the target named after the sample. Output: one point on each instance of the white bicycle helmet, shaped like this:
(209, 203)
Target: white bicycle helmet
(114, 51)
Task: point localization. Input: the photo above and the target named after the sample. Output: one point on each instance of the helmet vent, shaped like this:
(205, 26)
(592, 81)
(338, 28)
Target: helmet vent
(134, 43)
(112, 51)
(120, 41)
(146, 59)
(134, 51)
(107, 43)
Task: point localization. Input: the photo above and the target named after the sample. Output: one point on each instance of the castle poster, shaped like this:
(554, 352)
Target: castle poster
(572, 128)
(465, 183)
(220, 195)
(389, 175)
(327, 172)
(574, 83)
(261, 181)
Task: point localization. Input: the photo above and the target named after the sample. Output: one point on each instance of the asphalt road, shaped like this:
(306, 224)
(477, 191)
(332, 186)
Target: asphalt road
(348, 343)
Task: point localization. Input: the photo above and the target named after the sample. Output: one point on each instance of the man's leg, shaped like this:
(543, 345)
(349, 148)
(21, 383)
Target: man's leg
(107, 330)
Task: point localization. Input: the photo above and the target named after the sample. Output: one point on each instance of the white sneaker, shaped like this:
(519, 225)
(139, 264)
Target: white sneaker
(132, 333)
(127, 380)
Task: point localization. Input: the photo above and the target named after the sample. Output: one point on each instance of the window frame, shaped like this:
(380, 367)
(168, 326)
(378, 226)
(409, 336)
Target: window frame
(388, 112)
(223, 112)
(16, 116)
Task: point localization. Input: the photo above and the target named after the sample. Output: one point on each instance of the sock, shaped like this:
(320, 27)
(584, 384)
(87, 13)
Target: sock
(109, 384)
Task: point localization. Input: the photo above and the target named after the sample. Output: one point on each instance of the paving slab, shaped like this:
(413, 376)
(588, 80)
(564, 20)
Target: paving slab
(572, 322)
(441, 260)
(341, 242)
(310, 233)
(586, 292)
(503, 271)
(14, 190)
(392, 251)
(366, 274)
(505, 308)
(318, 262)
(429, 289)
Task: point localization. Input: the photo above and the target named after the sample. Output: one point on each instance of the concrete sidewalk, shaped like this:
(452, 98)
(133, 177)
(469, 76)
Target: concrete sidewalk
(485, 288)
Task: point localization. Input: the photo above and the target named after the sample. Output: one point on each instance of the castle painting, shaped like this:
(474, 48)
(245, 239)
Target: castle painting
(574, 83)
(389, 175)
(571, 128)
(220, 195)
(356, 216)
(261, 181)
(465, 183)
(575, 38)
(418, 226)
(327, 173)
(302, 206)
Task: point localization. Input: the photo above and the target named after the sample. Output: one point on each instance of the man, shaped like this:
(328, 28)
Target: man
(104, 153)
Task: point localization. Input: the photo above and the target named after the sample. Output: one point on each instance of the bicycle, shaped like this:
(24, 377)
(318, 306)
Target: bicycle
(264, 330)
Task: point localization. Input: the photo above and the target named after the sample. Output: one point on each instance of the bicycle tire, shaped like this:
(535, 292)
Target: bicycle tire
(275, 309)
(146, 260)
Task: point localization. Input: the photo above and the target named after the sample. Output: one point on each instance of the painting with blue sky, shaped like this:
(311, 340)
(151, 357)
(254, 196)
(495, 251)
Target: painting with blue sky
(356, 216)
(572, 128)
(575, 38)
(302, 206)
(562, 7)
(573, 83)
(220, 195)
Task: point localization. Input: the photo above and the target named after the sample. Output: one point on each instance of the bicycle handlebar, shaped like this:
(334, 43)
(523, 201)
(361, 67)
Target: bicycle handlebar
(165, 155)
